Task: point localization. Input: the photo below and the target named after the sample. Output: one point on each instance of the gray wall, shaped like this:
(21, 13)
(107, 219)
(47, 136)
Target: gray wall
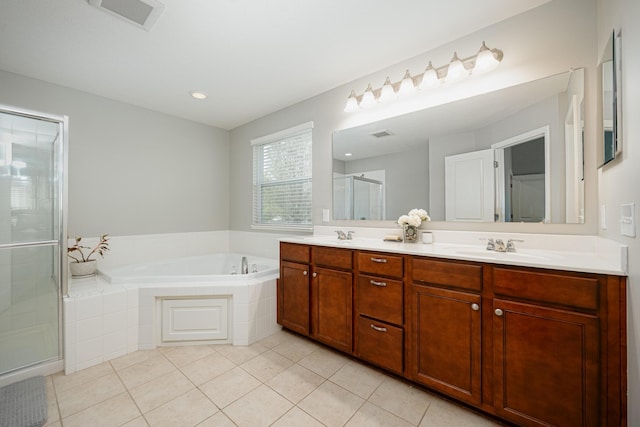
(131, 170)
(569, 40)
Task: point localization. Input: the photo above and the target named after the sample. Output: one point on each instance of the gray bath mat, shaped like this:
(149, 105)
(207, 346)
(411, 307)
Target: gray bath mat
(23, 404)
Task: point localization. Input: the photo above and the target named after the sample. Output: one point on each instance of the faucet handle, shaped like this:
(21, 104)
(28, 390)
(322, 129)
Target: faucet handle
(341, 235)
(511, 247)
(350, 235)
(490, 243)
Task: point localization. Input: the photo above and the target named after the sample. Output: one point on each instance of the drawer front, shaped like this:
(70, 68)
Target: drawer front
(294, 252)
(332, 257)
(381, 264)
(380, 298)
(563, 289)
(448, 273)
(380, 343)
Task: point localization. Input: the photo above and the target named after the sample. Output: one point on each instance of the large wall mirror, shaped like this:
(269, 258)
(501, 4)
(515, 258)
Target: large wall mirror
(513, 155)
(610, 145)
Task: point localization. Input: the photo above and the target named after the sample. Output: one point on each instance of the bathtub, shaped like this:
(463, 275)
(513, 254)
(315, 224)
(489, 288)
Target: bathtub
(221, 267)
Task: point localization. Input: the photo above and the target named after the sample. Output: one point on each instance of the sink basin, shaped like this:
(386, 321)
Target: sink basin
(506, 256)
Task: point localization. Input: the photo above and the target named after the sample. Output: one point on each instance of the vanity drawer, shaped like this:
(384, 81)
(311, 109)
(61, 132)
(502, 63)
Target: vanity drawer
(380, 298)
(381, 264)
(380, 343)
(295, 252)
(448, 273)
(332, 257)
(563, 289)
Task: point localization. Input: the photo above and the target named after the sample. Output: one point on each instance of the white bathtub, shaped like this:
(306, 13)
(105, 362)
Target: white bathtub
(209, 268)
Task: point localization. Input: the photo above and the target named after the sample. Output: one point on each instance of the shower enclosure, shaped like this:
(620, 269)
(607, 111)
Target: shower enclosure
(357, 197)
(32, 233)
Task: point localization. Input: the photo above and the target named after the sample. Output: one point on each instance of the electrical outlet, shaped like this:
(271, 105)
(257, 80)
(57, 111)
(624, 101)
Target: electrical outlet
(603, 217)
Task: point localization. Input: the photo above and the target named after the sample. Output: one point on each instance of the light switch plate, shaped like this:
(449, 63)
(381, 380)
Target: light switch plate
(628, 219)
(603, 217)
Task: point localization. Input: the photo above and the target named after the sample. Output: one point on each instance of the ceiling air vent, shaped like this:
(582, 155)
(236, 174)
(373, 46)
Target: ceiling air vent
(381, 133)
(142, 13)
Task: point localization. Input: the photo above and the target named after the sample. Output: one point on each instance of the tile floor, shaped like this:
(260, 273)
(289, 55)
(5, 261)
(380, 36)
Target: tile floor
(283, 380)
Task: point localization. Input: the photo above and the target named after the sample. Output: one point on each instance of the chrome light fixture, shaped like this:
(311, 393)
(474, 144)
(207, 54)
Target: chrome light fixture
(485, 60)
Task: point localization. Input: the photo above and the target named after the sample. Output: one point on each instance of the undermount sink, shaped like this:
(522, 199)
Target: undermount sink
(513, 256)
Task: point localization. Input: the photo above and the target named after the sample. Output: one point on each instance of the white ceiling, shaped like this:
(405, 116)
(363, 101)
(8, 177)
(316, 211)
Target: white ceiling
(252, 57)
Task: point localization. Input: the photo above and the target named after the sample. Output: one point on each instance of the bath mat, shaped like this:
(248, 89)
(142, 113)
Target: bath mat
(23, 404)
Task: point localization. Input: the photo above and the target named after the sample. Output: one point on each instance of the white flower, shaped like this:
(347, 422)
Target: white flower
(424, 216)
(409, 220)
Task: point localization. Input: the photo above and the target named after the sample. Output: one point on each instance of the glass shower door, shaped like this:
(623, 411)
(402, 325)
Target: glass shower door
(30, 239)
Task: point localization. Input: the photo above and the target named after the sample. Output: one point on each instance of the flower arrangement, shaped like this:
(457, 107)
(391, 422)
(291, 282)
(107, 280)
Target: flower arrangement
(76, 251)
(415, 217)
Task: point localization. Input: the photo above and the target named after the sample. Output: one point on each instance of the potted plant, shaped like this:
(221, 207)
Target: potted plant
(84, 265)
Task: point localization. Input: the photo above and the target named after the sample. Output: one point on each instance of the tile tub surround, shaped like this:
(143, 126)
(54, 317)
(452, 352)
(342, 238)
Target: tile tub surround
(282, 380)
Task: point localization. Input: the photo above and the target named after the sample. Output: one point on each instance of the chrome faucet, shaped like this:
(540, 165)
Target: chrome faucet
(499, 246)
(490, 244)
(511, 247)
(341, 235)
(245, 265)
(350, 235)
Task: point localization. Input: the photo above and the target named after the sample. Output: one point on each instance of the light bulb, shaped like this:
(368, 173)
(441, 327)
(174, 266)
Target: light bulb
(406, 85)
(456, 70)
(387, 93)
(430, 77)
(352, 103)
(485, 60)
(368, 98)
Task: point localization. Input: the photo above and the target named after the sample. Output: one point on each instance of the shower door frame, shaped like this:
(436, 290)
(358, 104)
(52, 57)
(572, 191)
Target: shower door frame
(49, 366)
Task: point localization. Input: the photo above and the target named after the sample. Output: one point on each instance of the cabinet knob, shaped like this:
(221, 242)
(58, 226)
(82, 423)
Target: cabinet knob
(499, 312)
(378, 328)
(475, 307)
(304, 273)
(314, 274)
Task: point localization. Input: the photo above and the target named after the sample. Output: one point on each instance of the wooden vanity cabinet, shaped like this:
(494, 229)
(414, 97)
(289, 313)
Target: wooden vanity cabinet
(294, 287)
(445, 345)
(379, 336)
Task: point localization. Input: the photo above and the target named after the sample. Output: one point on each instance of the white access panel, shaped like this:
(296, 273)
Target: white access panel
(197, 319)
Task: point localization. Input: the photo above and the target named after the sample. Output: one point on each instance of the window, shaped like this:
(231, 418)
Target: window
(282, 179)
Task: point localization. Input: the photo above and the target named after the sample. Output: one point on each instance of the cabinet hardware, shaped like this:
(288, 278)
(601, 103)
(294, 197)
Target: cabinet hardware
(475, 307)
(304, 273)
(378, 328)
(315, 274)
(499, 312)
(380, 260)
(381, 284)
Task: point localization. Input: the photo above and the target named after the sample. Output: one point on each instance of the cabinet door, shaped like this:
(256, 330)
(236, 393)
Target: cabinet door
(445, 344)
(331, 308)
(293, 297)
(545, 365)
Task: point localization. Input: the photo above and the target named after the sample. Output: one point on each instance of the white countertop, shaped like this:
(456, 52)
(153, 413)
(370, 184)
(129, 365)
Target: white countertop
(589, 254)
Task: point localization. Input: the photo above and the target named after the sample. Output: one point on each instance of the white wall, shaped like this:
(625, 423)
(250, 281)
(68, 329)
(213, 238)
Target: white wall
(544, 41)
(619, 180)
(132, 171)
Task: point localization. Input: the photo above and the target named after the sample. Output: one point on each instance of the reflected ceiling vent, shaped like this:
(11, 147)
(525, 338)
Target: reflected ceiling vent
(141, 13)
(381, 133)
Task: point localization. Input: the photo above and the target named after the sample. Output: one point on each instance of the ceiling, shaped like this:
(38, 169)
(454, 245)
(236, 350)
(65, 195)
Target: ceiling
(252, 57)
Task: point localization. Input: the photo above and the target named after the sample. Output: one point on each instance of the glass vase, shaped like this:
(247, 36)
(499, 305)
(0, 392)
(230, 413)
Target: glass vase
(409, 233)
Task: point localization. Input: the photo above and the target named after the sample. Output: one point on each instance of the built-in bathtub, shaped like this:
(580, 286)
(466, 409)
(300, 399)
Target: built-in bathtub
(126, 308)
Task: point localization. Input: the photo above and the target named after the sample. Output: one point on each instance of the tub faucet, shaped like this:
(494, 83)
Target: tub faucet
(245, 265)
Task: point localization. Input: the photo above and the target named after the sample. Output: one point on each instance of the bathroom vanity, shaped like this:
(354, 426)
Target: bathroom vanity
(534, 346)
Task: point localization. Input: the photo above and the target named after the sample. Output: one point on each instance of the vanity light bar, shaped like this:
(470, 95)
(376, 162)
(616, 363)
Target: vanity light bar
(485, 60)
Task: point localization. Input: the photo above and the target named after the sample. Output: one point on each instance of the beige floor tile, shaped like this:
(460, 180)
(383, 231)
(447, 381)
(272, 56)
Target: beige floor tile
(152, 367)
(189, 409)
(182, 356)
(64, 382)
(324, 362)
(260, 407)
(86, 395)
(358, 379)
(296, 349)
(402, 400)
(54, 424)
(161, 390)
(370, 415)
(133, 358)
(278, 338)
(207, 368)
(229, 386)
(295, 383)
(53, 415)
(218, 420)
(266, 365)
(442, 413)
(331, 404)
(239, 354)
(137, 422)
(112, 412)
(296, 417)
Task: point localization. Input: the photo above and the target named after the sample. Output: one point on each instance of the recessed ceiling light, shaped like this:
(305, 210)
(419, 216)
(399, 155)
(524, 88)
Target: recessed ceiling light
(198, 95)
